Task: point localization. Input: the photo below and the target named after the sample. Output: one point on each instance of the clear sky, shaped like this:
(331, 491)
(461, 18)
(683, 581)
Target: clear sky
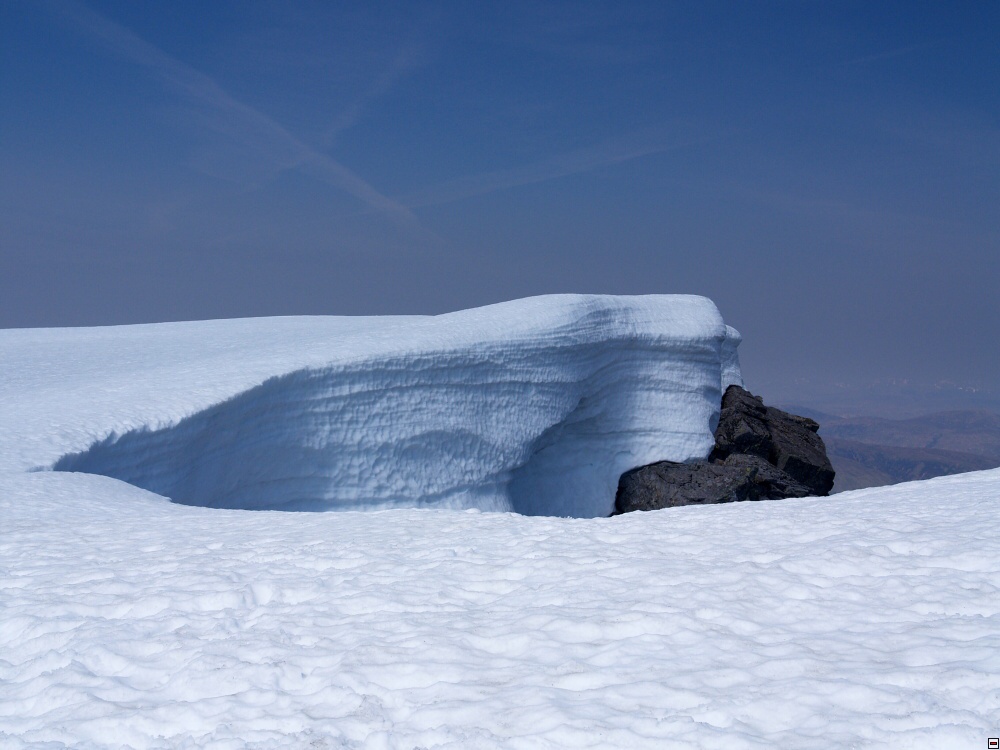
(828, 173)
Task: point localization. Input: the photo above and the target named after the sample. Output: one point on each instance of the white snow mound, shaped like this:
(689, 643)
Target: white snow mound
(536, 405)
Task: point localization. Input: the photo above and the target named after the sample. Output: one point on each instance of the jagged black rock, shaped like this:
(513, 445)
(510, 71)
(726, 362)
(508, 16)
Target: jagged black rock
(761, 453)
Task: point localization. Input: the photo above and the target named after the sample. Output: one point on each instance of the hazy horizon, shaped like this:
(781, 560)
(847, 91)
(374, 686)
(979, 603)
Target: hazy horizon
(828, 174)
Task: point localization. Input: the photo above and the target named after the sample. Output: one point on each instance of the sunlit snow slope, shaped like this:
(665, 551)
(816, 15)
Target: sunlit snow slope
(536, 405)
(867, 620)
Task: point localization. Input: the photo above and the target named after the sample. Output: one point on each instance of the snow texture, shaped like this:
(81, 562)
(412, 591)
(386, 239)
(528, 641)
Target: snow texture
(536, 405)
(866, 620)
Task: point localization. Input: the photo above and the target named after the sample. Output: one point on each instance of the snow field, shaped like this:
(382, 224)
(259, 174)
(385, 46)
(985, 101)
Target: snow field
(871, 619)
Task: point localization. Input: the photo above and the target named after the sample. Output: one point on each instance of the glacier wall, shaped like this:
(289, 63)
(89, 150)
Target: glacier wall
(535, 406)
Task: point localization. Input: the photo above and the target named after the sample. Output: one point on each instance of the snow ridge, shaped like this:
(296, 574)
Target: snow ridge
(535, 406)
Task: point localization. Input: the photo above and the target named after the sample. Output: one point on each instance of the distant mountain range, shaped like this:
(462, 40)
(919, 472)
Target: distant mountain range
(891, 398)
(873, 451)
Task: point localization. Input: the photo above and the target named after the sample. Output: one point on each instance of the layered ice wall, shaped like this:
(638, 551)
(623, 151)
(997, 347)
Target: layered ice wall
(536, 406)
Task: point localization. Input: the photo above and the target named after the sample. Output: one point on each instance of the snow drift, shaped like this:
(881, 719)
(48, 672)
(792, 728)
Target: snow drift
(536, 406)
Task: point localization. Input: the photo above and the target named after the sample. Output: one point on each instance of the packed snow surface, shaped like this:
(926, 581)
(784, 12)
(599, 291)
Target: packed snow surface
(869, 619)
(536, 405)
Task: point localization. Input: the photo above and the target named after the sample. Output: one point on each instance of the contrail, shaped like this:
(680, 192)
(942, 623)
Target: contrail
(630, 146)
(403, 62)
(243, 121)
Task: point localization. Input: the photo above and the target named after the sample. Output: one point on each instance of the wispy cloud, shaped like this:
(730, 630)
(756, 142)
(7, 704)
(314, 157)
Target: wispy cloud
(405, 59)
(631, 146)
(240, 121)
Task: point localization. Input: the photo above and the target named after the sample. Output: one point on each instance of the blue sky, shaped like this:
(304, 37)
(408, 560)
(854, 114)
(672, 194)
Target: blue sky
(829, 173)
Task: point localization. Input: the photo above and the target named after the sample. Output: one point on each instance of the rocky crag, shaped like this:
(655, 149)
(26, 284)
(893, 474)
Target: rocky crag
(760, 453)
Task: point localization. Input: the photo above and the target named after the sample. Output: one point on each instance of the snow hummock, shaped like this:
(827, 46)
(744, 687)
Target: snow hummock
(869, 619)
(536, 405)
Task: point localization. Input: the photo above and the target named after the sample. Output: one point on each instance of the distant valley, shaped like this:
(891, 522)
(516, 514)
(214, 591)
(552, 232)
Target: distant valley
(873, 451)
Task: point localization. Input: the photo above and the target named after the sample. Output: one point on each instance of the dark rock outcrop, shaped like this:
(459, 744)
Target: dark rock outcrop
(760, 453)
(739, 477)
(786, 441)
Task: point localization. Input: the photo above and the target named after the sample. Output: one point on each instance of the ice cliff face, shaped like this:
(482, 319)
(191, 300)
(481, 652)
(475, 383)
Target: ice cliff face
(536, 406)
